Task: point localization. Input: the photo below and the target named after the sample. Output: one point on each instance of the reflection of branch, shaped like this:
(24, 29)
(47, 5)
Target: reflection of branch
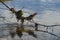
(2, 17)
(48, 33)
(4, 8)
(31, 32)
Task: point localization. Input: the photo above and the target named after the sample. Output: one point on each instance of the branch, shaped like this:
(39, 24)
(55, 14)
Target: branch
(44, 24)
(4, 4)
(48, 25)
(47, 32)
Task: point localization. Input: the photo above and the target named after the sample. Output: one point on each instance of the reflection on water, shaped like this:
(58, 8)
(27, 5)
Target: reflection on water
(5, 28)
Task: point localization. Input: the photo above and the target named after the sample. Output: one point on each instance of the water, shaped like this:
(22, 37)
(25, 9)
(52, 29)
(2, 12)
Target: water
(48, 13)
(4, 33)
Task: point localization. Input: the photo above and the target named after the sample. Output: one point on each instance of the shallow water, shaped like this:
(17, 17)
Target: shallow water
(4, 33)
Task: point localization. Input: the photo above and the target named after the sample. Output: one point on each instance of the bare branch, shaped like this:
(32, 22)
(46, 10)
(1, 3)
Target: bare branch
(4, 4)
